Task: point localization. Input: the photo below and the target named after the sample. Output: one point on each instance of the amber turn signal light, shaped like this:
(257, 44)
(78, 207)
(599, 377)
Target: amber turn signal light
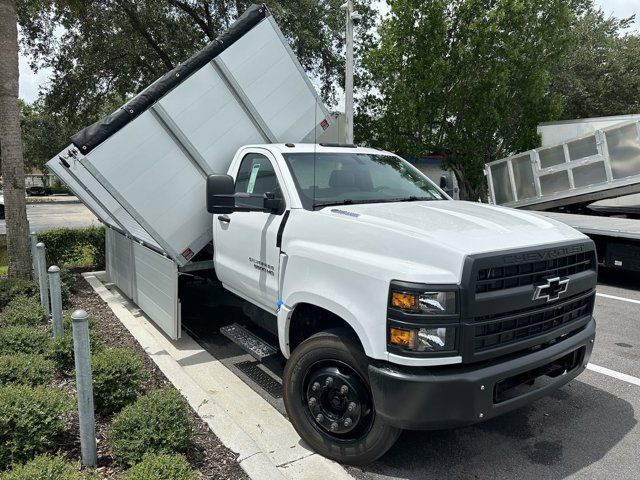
(403, 338)
(405, 301)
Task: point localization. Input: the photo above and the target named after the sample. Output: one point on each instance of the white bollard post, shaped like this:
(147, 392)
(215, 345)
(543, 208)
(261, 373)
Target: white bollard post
(82, 354)
(34, 256)
(42, 277)
(56, 300)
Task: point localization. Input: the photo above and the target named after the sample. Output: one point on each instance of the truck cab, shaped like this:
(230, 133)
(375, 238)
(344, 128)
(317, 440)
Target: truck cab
(397, 307)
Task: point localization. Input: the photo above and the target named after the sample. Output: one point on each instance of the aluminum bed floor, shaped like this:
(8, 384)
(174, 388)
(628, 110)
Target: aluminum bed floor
(595, 225)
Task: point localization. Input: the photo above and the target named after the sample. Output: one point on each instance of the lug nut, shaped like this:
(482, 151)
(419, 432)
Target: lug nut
(347, 422)
(312, 401)
(344, 389)
(320, 418)
(334, 426)
(315, 387)
(352, 406)
(481, 415)
(329, 381)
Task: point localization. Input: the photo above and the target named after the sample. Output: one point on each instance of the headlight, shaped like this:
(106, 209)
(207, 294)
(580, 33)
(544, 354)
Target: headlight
(439, 339)
(423, 319)
(428, 303)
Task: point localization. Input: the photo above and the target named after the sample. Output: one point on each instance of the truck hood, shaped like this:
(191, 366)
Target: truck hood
(465, 227)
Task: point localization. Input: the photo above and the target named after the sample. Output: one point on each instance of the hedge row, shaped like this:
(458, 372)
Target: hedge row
(148, 435)
(74, 246)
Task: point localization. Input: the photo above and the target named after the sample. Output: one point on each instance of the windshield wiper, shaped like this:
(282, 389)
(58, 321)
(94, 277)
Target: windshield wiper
(375, 200)
(413, 199)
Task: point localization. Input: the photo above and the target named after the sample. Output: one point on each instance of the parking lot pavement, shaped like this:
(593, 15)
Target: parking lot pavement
(46, 216)
(586, 430)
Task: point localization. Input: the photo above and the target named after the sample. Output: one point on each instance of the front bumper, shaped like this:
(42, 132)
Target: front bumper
(425, 398)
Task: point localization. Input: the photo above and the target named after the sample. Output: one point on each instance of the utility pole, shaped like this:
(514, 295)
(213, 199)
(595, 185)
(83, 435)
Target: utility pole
(352, 18)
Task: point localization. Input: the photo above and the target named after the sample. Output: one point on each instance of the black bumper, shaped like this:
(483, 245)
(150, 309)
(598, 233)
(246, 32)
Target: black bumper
(430, 398)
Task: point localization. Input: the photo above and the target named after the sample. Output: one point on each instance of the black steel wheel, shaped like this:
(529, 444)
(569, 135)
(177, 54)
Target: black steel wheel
(329, 403)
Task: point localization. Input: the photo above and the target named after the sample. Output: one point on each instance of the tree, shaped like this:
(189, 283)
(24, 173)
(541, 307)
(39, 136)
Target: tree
(45, 131)
(114, 48)
(599, 74)
(465, 78)
(18, 246)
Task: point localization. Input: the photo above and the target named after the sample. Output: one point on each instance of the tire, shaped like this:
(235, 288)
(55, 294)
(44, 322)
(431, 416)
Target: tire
(335, 354)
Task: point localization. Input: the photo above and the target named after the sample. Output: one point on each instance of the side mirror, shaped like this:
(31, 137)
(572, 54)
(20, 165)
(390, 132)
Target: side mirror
(444, 182)
(220, 194)
(271, 203)
(223, 199)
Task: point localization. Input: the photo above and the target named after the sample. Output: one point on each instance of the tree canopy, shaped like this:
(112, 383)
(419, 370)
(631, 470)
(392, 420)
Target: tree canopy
(599, 74)
(465, 78)
(105, 51)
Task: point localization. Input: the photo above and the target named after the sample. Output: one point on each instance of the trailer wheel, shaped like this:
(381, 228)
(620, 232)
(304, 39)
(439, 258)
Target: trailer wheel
(329, 402)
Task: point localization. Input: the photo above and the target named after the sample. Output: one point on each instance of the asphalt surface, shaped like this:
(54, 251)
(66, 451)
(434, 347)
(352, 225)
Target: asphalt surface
(47, 216)
(586, 430)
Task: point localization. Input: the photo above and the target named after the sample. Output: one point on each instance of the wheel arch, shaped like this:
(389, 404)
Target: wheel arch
(309, 316)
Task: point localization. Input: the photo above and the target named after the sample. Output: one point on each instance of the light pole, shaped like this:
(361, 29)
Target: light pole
(352, 18)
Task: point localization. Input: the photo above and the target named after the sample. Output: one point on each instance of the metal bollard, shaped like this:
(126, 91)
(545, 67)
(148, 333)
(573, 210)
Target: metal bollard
(82, 354)
(34, 256)
(56, 300)
(42, 277)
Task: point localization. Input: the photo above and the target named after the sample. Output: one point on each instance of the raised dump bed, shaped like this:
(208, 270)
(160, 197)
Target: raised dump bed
(152, 156)
(142, 170)
(602, 164)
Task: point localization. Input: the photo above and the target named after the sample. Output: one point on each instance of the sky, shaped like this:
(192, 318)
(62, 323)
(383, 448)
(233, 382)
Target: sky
(31, 81)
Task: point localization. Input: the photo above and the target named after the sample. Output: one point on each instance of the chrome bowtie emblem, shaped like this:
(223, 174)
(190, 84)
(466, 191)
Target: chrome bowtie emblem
(551, 289)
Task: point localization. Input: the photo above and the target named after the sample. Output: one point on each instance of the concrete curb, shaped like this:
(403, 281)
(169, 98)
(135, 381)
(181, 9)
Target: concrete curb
(267, 445)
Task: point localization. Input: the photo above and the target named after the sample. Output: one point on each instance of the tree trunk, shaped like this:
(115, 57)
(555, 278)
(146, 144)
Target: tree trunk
(18, 243)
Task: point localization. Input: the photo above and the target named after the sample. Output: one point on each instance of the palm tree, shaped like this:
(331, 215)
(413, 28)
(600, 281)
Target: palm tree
(18, 247)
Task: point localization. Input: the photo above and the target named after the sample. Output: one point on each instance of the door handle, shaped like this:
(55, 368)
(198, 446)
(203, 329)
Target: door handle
(224, 219)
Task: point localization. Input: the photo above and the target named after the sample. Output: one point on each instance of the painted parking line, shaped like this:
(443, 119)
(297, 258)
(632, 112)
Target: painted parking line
(622, 299)
(612, 373)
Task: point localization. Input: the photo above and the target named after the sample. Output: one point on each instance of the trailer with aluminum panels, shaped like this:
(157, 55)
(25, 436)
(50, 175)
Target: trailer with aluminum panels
(578, 171)
(567, 177)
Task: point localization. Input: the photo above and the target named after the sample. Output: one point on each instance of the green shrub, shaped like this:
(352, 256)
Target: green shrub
(117, 375)
(60, 349)
(43, 467)
(24, 339)
(160, 467)
(11, 288)
(25, 369)
(31, 419)
(23, 311)
(156, 423)
(74, 246)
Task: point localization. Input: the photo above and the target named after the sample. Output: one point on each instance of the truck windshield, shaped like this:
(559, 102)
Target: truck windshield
(324, 179)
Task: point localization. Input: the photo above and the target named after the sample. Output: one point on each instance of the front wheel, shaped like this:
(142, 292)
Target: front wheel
(329, 402)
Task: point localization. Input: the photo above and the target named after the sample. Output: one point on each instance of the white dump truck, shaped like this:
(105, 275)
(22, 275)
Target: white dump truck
(396, 307)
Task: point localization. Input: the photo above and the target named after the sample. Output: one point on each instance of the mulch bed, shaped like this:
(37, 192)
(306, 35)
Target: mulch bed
(208, 455)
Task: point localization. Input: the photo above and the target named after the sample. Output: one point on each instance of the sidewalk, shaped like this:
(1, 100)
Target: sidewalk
(267, 445)
(53, 199)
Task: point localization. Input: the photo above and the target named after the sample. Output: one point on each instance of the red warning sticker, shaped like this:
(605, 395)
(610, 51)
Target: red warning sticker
(324, 124)
(188, 254)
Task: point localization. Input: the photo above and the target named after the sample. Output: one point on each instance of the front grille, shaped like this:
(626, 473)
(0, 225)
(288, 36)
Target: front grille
(500, 278)
(495, 331)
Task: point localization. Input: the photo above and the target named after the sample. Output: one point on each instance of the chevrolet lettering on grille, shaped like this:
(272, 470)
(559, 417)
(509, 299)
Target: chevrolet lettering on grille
(551, 289)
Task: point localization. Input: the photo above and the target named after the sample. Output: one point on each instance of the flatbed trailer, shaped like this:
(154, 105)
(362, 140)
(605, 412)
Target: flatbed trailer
(617, 239)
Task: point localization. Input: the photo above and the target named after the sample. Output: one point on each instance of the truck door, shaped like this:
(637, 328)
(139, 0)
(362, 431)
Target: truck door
(246, 255)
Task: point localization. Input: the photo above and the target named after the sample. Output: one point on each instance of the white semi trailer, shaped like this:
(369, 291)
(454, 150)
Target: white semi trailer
(395, 306)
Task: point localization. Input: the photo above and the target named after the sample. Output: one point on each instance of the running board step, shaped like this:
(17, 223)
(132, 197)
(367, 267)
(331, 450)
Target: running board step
(250, 343)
